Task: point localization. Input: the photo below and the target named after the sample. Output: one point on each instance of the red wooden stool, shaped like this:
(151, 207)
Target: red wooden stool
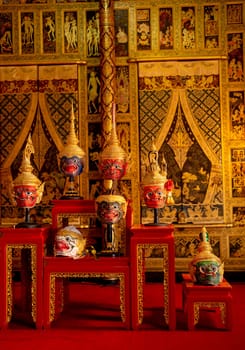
(22, 238)
(151, 237)
(197, 297)
(57, 269)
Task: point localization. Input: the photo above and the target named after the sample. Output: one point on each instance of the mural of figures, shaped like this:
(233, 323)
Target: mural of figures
(235, 57)
(143, 27)
(188, 28)
(93, 33)
(70, 32)
(238, 214)
(121, 32)
(234, 13)
(6, 45)
(166, 28)
(237, 114)
(94, 145)
(122, 100)
(93, 90)
(27, 32)
(238, 172)
(237, 247)
(49, 32)
(211, 27)
(187, 246)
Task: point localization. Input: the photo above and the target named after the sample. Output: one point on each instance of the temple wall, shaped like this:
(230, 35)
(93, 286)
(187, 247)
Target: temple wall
(179, 80)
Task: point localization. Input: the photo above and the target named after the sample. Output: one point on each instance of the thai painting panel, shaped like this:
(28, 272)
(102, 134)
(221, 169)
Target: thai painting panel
(93, 89)
(235, 57)
(166, 33)
(48, 32)
(6, 33)
(237, 246)
(143, 28)
(27, 32)
(121, 33)
(122, 81)
(186, 246)
(94, 145)
(211, 26)
(237, 114)
(70, 32)
(92, 33)
(238, 214)
(187, 134)
(234, 13)
(188, 27)
(238, 172)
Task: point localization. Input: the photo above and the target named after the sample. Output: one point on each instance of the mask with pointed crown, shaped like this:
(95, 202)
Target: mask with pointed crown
(156, 189)
(71, 157)
(206, 268)
(27, 188)
(113, 159)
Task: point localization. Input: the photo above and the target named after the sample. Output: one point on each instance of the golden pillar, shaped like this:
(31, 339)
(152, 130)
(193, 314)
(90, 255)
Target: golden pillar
(107, 66)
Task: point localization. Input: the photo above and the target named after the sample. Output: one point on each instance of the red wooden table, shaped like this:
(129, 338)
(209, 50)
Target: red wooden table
(33, 239)
(152, 237)
(57, 269)
(197, 297)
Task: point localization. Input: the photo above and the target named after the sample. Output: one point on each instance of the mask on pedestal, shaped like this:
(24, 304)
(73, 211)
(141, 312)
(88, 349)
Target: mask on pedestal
(27, 188)
(206, 268)
(71, 162)
(111, 208)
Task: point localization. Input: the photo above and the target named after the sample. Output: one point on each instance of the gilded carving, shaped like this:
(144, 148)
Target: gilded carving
(33, 281)
(198, 305)
(144, 250)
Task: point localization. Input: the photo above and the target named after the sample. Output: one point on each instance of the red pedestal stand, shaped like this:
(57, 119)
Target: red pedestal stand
(151, 237)
(33, 239)
(197, 297)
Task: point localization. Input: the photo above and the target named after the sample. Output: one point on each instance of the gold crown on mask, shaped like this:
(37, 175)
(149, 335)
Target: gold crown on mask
(113, 149)
(153, 174)
(26, 177)
(71, 148)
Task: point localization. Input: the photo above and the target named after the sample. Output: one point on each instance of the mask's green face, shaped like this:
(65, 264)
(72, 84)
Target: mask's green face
(208, 272)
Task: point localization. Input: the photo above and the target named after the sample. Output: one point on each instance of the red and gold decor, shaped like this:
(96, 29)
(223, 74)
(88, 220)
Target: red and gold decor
(156, 188)
(27, 188)
(111, 206)
(71, 162)
(113, 161)
(206, 268)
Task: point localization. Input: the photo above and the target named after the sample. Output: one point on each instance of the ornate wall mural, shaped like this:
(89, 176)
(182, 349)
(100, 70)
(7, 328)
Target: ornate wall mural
(49, 32)
(6, 33)
(211, 26)
(43, 104)
(237, 114)
(188, 27)
(143, 28)
(166, 34)
(238, 172)
(27, 30)
(186, 126)
(235, 57)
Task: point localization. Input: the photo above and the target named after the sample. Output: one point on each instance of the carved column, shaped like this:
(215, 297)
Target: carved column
(107, 65)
